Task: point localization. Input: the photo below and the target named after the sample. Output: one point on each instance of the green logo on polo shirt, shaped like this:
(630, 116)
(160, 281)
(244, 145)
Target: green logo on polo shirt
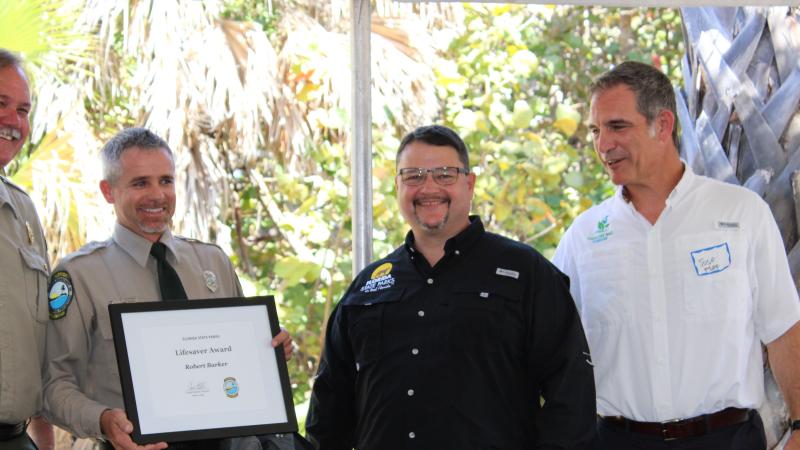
(602, 232)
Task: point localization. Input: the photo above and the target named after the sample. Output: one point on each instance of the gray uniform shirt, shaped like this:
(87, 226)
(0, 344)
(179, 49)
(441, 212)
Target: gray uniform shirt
(23, 304)
(82, 375)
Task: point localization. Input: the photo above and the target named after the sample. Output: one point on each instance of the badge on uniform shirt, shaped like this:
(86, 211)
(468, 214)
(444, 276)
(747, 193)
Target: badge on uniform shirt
(60, 294)
(211, 280)
(380, 279)
(30, 232)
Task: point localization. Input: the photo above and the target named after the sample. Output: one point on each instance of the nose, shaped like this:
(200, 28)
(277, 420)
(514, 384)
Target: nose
(603, 143)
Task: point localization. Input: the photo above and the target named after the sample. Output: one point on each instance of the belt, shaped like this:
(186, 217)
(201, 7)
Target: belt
(683, 428)
(11, 431)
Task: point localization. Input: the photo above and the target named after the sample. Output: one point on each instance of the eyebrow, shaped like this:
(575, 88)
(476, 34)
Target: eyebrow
(7, 97)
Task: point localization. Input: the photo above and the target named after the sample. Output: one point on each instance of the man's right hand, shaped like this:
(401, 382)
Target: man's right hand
(117, 429)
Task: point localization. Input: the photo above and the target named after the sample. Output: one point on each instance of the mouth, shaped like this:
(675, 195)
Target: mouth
(153, 211)
(613, 162)
(10, 134)
(429, 202)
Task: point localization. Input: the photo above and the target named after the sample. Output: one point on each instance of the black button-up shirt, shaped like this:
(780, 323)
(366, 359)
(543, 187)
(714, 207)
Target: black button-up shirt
(485, 350)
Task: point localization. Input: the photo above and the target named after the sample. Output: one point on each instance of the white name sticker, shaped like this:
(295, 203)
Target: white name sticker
(711, 260)
(508, 273)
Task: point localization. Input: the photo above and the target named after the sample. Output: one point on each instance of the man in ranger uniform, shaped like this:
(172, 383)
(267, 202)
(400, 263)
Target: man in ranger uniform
(139, 263)
(23, 275)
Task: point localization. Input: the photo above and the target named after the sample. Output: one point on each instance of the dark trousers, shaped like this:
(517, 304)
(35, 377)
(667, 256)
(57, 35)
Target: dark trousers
(22, 442)
(744, 436)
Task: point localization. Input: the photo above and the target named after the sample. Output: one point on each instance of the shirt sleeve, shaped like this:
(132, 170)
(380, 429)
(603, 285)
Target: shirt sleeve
(66, 357)
(564, 260)
(331, 415)
(561, 363)
(777, 306)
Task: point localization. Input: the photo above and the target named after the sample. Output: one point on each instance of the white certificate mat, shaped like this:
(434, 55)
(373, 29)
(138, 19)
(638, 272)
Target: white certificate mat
(202, 369)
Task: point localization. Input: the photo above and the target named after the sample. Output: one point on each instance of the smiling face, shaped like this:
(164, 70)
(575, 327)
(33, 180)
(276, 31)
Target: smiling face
(15, 105)
(143, 194)
(631, 150)
(432, 209)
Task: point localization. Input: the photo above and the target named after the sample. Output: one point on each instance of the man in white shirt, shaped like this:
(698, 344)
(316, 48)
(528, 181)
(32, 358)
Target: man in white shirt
(678, 279)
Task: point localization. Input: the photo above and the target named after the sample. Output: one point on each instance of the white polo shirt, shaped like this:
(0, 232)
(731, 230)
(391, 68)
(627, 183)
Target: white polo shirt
(675, 312)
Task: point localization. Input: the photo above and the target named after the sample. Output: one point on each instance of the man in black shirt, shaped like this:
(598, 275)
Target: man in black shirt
(459, 339)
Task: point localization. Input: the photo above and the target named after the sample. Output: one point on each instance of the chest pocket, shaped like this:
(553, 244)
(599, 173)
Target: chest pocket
(104, 319)
(714, 277)
(35, 269)
(364, 315)
(485, 310)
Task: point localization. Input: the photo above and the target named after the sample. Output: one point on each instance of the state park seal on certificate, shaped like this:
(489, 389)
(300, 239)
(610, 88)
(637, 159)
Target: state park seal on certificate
(231, 387)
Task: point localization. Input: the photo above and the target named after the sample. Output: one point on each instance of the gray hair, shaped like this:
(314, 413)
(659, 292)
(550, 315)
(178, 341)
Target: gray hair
(652, 88)
(8, 58)
(112, 152)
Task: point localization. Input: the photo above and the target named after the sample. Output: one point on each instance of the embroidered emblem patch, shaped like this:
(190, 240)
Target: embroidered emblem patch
(602, 232)
(381, 279)
(723, 225)
(712, 259)
(507, 273)
(211, 280)
(60, 294)
(231, 387)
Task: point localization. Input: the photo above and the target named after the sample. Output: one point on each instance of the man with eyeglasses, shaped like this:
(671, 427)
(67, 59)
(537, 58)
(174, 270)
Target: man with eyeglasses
(460, 338)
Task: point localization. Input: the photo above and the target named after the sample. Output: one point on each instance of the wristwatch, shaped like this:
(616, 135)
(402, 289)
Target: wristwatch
(794, 425)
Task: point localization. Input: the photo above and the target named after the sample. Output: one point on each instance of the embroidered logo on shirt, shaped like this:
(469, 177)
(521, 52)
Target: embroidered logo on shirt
(723, 225)
(602, 232)
(60, 294)
(507, 273)
(712, 259)
(381, 279)
(211, 280)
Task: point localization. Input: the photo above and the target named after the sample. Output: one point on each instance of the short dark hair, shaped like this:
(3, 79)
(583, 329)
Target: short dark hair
(652, 88)
(8, 58)
(436, 135)
(122, 141)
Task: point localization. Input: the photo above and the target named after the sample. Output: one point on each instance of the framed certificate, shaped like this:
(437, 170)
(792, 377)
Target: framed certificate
(202, 369)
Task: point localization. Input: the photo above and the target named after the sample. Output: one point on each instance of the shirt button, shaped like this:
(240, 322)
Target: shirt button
(415, 351)
(430, 280)
(457, 252)
(410, 392)
(421, 313)
(412, 435)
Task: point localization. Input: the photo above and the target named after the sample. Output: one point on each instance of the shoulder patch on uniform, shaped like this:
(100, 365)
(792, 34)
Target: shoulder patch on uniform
(60, 294)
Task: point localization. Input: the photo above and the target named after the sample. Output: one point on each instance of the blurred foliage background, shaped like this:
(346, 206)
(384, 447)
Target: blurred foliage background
(253, 97)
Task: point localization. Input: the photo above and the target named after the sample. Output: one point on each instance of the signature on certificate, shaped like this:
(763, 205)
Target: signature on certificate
(196, 388)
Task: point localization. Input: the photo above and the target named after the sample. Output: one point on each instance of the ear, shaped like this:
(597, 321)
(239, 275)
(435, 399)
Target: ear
(665, 122)
(471, 181)
(105, 188)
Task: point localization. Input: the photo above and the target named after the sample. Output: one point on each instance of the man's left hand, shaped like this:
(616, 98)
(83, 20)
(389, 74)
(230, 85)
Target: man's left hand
(284, 339)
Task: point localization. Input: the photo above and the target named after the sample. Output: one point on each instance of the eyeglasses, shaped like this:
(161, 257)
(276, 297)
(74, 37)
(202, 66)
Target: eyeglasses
(444, 176)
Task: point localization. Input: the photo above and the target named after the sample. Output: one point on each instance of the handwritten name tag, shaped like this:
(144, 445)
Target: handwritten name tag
(711, 259)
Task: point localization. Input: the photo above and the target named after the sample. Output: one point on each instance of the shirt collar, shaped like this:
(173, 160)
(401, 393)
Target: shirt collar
(683, 187)
(678, 192)
(458, 243)
(5, 196)
(138, 247)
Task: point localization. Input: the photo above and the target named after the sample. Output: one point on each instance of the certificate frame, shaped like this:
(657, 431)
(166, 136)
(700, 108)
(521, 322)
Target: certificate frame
(132, 323)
